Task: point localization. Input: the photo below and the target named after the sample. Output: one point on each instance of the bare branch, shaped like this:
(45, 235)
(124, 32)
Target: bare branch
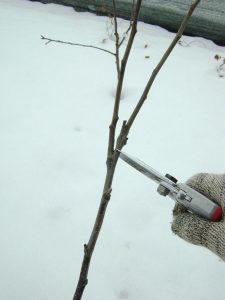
(115, 116)
(188, 44)
(117, 39)
(125, 34)
(160, 64)
(130, 26)
(75, 44)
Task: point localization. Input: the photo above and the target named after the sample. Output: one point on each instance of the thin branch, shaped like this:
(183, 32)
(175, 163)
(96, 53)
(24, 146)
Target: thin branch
(75, 44)
(187, 44)
(117, 38)
(160, 64)
(115, 116)
(125, 34)
(130, 26)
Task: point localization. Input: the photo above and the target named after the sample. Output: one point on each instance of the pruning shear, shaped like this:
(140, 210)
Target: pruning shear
(194, 201)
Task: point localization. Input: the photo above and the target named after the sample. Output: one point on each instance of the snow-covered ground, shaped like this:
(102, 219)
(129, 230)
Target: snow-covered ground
(55, 108)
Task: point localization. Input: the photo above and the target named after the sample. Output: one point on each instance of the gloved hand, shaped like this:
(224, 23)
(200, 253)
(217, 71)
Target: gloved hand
(195, 229)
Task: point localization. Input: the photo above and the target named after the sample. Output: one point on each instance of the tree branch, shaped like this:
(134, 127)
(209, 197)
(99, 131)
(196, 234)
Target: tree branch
(76, 44)
(115, 116)
(117, 38)
(130, 26)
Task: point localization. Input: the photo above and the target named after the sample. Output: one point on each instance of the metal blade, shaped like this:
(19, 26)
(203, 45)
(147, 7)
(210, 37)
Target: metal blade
(144, 168)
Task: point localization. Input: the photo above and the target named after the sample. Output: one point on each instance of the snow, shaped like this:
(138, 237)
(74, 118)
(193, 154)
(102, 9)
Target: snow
(56, 105)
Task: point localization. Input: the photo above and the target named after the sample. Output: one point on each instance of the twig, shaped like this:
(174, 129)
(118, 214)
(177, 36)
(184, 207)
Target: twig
(117, 39)
(187, 44)
(120, 80)
(125, 34)
(130, 26)
(75, 44)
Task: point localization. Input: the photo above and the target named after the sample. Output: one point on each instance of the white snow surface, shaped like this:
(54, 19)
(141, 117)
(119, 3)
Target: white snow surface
(55, 109)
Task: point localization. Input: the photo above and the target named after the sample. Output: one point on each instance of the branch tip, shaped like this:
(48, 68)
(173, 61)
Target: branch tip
(77, 44)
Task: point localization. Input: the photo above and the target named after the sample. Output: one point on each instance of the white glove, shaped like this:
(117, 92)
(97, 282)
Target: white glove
(195, 229)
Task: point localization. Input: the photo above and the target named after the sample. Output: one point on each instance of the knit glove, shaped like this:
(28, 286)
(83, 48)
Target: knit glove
(198, 230)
